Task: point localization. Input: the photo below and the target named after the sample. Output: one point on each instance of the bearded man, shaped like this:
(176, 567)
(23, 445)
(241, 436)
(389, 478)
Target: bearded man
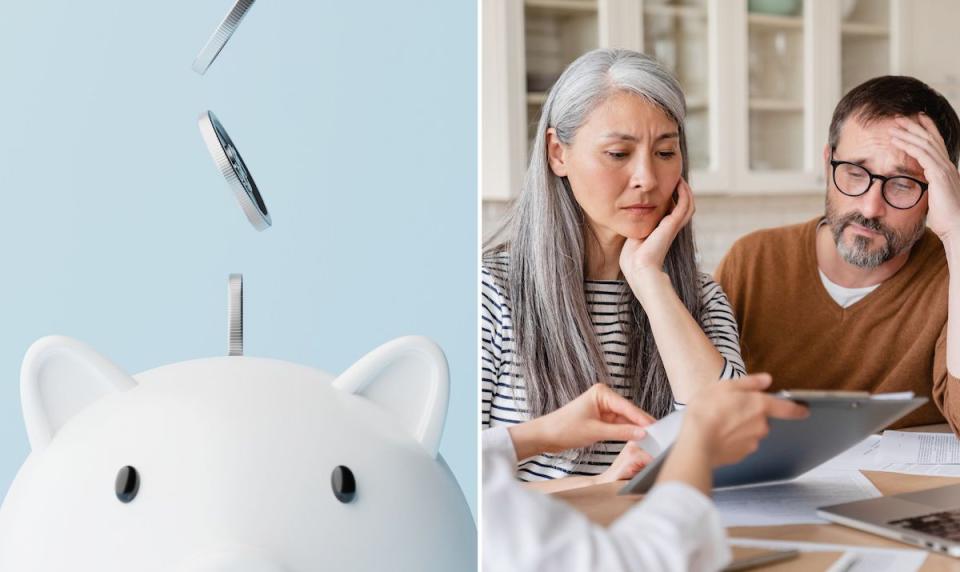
(866, 297)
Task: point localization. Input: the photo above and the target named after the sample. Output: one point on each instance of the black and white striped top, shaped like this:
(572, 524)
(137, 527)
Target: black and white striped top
(502, 384)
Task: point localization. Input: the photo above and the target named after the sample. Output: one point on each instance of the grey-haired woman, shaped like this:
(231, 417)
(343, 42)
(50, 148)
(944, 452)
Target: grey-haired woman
(592, 277)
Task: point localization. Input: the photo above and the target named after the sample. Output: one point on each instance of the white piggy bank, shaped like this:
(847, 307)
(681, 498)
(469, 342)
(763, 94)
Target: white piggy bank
(235, 463)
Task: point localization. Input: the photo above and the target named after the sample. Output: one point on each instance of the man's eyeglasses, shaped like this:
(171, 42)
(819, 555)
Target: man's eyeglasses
(853, 180)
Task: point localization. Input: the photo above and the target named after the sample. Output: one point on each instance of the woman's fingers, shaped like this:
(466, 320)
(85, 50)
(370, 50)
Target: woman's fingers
(638, 460)
(631, 460)
(612, 402)
(673, 222)
(682, 211)
(617, 432)
(686, 203)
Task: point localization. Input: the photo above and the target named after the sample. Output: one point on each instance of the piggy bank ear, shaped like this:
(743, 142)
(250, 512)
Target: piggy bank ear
(59, 378)
(408, 377)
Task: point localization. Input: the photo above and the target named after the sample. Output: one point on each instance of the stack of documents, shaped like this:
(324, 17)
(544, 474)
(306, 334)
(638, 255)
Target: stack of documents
(935, 454)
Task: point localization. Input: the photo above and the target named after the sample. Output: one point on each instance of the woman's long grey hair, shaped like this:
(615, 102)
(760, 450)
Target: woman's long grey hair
(544, 234)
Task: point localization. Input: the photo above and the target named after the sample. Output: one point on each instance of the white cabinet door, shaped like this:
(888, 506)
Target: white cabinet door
(761, 77)
(927, 43)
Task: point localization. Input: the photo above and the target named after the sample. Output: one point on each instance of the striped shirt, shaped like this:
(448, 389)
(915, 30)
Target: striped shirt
(503, 393)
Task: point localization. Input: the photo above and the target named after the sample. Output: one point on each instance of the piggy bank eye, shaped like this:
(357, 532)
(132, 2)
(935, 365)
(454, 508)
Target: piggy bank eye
(343, 484)
(128, 483)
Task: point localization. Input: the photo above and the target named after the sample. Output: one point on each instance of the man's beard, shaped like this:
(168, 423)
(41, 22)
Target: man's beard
(858, 252)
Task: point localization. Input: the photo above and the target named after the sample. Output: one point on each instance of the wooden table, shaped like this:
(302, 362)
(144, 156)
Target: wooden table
(602, 505)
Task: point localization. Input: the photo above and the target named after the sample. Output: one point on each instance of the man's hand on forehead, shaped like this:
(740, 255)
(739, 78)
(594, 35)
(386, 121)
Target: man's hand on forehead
(920, 138)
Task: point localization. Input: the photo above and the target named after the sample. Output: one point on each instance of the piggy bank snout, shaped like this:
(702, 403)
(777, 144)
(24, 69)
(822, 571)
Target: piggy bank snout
(232, 558)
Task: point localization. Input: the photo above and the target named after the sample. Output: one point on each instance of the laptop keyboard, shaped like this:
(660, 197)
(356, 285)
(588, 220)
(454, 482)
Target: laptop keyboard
(944, 524)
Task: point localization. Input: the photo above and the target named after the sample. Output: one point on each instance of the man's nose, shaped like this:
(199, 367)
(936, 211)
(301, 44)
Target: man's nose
(872, 204)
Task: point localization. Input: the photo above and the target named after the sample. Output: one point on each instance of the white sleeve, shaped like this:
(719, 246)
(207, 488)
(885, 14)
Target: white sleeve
(674, 528)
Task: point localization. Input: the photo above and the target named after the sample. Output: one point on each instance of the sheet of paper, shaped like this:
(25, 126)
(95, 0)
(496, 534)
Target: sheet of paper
(863, 455)
(920, 448)
(855, 559)
(793, 502)
(661, 434)
(866, 456)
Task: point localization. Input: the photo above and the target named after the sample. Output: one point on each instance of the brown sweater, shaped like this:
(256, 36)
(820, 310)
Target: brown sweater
(894, 339)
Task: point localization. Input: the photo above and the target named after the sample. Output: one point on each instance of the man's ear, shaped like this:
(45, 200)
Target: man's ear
(556, 153)
(826, 163)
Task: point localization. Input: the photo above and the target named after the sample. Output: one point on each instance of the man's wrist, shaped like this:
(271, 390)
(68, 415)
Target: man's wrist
(951, 247)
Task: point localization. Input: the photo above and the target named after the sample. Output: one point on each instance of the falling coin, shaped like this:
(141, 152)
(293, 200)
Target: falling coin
(234, 170)
(220, 36)
(235, 315)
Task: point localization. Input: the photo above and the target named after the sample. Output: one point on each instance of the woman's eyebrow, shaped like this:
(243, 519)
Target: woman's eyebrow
(633, 138)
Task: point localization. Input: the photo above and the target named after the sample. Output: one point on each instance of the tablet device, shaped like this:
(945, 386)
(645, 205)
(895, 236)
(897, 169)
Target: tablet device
(837, 421)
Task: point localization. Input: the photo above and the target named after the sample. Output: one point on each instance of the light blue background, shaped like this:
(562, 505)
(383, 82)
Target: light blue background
(358, 122)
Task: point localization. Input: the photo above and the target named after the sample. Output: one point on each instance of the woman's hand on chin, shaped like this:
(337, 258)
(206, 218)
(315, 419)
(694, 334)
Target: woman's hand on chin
(641, 259)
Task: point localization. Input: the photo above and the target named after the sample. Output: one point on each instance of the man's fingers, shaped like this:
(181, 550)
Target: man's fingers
(917, 127)
(922, 155)
(931, 127)
(923, 141)
(784, 408)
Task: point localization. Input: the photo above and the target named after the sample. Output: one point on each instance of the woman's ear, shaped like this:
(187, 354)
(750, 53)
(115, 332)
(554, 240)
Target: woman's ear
(556, 153)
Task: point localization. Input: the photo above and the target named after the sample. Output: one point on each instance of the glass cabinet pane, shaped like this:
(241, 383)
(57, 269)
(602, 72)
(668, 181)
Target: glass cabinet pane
(775, 84)
(556, 32)
(864, 41)
(675, 33)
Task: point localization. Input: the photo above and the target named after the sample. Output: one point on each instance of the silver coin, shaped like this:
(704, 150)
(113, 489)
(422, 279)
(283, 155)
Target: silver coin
(235, 315)
(220, 36)
(234, 170)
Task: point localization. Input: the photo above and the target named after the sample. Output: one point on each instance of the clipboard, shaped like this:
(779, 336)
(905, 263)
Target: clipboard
(837, 421)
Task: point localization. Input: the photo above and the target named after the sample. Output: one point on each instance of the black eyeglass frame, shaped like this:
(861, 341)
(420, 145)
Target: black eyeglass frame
(883, 182)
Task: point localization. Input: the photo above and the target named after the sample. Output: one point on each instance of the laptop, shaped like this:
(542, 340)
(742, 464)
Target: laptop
(929, 519)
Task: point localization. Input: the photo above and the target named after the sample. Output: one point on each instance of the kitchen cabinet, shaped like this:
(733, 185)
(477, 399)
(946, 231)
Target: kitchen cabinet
(761, 78)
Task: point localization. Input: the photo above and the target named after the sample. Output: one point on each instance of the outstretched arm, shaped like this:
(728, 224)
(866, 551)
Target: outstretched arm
(676, 526)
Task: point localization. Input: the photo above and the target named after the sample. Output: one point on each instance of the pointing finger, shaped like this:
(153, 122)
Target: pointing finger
(784, 408)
